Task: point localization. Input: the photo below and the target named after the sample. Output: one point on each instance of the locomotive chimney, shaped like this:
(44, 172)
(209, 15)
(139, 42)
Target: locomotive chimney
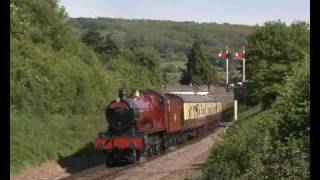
(123, 93)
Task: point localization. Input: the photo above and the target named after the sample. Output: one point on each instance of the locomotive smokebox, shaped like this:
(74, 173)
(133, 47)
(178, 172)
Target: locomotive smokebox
(123, 93)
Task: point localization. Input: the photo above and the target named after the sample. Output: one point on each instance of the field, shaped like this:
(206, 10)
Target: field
(171, 71)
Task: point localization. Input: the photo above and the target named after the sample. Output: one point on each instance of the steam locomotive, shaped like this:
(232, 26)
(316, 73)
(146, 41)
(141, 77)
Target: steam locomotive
(147, 123)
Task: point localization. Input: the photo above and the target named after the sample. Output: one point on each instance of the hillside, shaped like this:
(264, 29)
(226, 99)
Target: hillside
(172, 39)
(58, 86)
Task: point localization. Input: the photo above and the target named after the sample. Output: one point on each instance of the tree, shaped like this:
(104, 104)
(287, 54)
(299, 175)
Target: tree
(272, 49)
(149, 59)
(198, 71)
(293, 103)
(109, 46)
(272, 143)
(93, 39)
(101, 44)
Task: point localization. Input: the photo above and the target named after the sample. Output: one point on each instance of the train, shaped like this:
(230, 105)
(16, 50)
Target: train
(147, 122)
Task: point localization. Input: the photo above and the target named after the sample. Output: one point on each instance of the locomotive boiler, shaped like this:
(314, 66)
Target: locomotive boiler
(147, 122)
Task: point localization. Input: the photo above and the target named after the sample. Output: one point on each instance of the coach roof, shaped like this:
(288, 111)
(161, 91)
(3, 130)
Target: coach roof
(195, 98)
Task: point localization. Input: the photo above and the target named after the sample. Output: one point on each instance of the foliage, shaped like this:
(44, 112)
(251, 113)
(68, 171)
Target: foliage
(294, 103)
(36, 139)
(59, 86)
(228, 112)
(169, 38)
(171, 71)
(269, 144)
(198, 70)
(101, 44)
(137, 69)
(271, 51)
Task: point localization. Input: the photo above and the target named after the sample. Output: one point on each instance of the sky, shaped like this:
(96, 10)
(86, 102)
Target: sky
(248, 12)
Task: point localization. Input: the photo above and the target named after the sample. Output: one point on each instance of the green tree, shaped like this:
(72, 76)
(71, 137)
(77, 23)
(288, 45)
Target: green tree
(149, 59)
(94, 39)
(109, 46)
(272, 143)
(293, 103)
(198, 71)
(168, 38)
(272, 49)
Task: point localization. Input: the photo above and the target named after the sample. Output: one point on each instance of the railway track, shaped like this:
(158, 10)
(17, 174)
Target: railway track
(102, 172)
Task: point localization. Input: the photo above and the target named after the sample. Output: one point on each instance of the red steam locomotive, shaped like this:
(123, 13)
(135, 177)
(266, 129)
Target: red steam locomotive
(147, 122)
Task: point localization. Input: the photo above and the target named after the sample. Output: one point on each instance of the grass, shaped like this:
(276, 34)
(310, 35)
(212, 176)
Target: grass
(37, 138)
(174, 75)
(177, 64)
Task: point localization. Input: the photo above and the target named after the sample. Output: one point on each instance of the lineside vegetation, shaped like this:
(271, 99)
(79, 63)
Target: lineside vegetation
(59, 86)
(271, 140)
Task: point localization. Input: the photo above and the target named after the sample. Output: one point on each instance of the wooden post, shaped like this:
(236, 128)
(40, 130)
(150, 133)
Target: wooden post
(235, 110)
(227, 71)
(244, 70)
(227, 62)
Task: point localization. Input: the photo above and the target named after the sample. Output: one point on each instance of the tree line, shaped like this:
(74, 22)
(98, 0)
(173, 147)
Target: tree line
(172, 40)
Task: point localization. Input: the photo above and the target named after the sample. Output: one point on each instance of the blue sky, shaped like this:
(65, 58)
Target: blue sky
(248, 12)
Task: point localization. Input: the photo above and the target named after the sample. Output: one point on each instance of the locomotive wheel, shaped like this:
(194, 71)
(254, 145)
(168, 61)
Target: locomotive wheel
(151, 151)
(158, 148)
(133, 156)
(147, 152)
(109, 160)
(138, 155)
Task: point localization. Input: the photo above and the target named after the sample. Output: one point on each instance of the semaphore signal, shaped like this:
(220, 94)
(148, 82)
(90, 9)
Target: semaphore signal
(239, 55)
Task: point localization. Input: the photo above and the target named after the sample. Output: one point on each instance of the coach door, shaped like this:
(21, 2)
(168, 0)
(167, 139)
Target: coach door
(174, 114)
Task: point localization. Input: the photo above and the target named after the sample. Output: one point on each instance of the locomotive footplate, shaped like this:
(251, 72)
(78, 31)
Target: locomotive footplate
(120, 142)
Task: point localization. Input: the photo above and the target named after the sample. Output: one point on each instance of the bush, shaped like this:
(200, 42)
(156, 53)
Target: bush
(272, 51)
(227, 114)
(269, 144)
(35, 139)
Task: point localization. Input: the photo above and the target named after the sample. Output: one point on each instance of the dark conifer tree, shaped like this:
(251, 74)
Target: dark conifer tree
(198, 71)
